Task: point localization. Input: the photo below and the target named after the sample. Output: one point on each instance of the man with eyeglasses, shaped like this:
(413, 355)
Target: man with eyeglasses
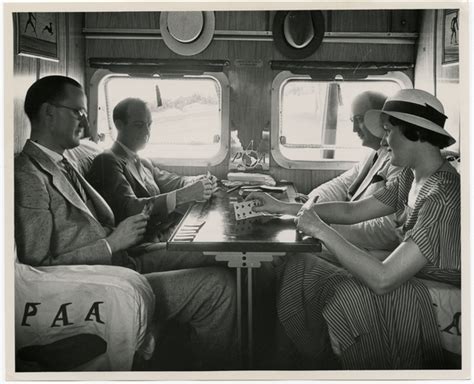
(361, 181)
(61, 220)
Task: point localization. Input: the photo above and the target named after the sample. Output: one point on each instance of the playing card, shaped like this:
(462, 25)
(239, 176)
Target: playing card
(243, 210)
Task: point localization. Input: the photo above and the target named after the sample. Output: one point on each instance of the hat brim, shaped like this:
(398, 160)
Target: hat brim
(194, 47)
(297, 53)
(372, 120)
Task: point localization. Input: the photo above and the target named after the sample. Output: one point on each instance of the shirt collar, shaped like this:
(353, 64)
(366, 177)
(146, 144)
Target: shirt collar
(127, 150)
(56, 157)
(381, 151)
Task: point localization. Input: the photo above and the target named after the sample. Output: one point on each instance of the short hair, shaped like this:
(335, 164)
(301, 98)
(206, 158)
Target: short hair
(414, 133)
(120, 111)
(47, 89)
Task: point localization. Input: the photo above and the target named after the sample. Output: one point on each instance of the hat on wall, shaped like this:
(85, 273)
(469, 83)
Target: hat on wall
(298, 34)
(414, 106)
(187, 33)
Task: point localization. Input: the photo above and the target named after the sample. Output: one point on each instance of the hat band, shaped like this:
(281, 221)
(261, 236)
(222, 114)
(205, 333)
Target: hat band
(425, 111)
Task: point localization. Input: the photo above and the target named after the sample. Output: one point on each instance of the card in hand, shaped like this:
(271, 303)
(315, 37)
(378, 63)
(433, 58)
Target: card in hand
(148, 208)
(243, 210)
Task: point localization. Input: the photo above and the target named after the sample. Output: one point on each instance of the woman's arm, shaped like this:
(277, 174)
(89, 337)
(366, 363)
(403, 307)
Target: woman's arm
(380, 276)
(333, 213)
(352, 212)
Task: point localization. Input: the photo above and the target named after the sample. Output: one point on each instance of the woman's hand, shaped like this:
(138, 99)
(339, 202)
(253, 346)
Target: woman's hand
(266, 202)
(308, 222)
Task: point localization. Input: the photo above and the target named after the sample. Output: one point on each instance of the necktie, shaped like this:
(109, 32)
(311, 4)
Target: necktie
(375, 158)
(138, 165)
(73, 178)
(149, 184)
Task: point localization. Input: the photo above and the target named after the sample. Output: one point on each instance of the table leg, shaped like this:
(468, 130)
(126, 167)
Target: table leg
(249, 260)
(250, 316)
(239, 311)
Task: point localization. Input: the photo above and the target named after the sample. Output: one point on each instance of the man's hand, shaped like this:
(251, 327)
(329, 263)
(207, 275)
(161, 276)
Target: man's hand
(301, 198)
(212, 179)
(199, 190)
(129, 232)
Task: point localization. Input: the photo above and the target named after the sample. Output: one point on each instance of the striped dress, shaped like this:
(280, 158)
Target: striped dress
(397, 330)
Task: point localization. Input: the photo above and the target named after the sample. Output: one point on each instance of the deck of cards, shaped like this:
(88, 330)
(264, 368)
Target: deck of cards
(243, 210)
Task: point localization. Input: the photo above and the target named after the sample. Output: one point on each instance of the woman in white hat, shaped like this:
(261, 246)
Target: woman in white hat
(378, 311)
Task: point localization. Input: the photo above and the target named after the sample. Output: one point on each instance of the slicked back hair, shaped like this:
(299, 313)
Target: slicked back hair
(120, 111)
(47, 89)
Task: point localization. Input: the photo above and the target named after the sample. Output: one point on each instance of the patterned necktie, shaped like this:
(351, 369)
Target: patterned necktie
(73, 178)
(138, 165)
(149, 184)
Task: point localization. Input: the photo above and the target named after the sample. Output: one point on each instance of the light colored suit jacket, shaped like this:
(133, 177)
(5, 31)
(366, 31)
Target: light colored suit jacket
(53, 226)
(115, 176)
(358, 183)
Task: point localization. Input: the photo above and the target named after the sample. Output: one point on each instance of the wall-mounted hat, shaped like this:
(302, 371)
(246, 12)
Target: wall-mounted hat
(298, 34)
(414, 106)
(187, 33)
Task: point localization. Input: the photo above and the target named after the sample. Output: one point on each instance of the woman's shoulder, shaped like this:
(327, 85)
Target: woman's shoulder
(447, 177)
(444, 187)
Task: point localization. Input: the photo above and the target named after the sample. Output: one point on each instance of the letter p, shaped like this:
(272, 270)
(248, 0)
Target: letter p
(30, 310)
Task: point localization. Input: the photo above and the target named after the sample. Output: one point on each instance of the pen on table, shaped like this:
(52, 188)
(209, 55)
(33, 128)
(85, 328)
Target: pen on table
(233, 188)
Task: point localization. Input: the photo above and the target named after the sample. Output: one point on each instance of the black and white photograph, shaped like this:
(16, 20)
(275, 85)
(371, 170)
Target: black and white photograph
(199, 191)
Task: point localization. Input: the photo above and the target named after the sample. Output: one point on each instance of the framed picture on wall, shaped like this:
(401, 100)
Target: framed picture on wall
(36, 35)
(450, 36)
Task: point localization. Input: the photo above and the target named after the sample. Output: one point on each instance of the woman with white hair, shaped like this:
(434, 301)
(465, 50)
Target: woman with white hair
(377, 309)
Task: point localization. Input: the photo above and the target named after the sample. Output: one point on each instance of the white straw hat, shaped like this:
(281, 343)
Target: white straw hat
(414, 106)
(187, 33)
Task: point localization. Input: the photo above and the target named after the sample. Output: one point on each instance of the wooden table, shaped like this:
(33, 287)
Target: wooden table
(211, 228)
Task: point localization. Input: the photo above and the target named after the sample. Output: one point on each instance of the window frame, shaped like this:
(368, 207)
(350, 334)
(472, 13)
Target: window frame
(101, 75)
(276, 97)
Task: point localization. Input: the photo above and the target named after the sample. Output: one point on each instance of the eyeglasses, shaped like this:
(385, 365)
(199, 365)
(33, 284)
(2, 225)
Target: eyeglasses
(359, 119)
(80, 113)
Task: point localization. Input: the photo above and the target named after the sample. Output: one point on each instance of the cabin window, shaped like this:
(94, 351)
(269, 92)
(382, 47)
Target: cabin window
(311, 123)
(189, 115)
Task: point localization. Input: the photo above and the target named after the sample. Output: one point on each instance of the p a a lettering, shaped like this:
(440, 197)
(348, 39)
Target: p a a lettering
(31, 309)
(61, 316)
(94, 311)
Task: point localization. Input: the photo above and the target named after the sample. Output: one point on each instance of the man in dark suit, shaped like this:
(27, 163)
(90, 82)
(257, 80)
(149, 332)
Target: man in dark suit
(129, 182)
(61, 220)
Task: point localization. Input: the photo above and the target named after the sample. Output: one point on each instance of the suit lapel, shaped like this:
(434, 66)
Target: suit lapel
(371, 172)
(365, 168)
(59, 180)
(63, 185)
(129, 164)
(103, 210)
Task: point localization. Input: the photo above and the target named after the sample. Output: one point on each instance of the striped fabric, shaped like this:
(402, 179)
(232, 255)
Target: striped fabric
(397, 330)
(434, 223)
(317, 298)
